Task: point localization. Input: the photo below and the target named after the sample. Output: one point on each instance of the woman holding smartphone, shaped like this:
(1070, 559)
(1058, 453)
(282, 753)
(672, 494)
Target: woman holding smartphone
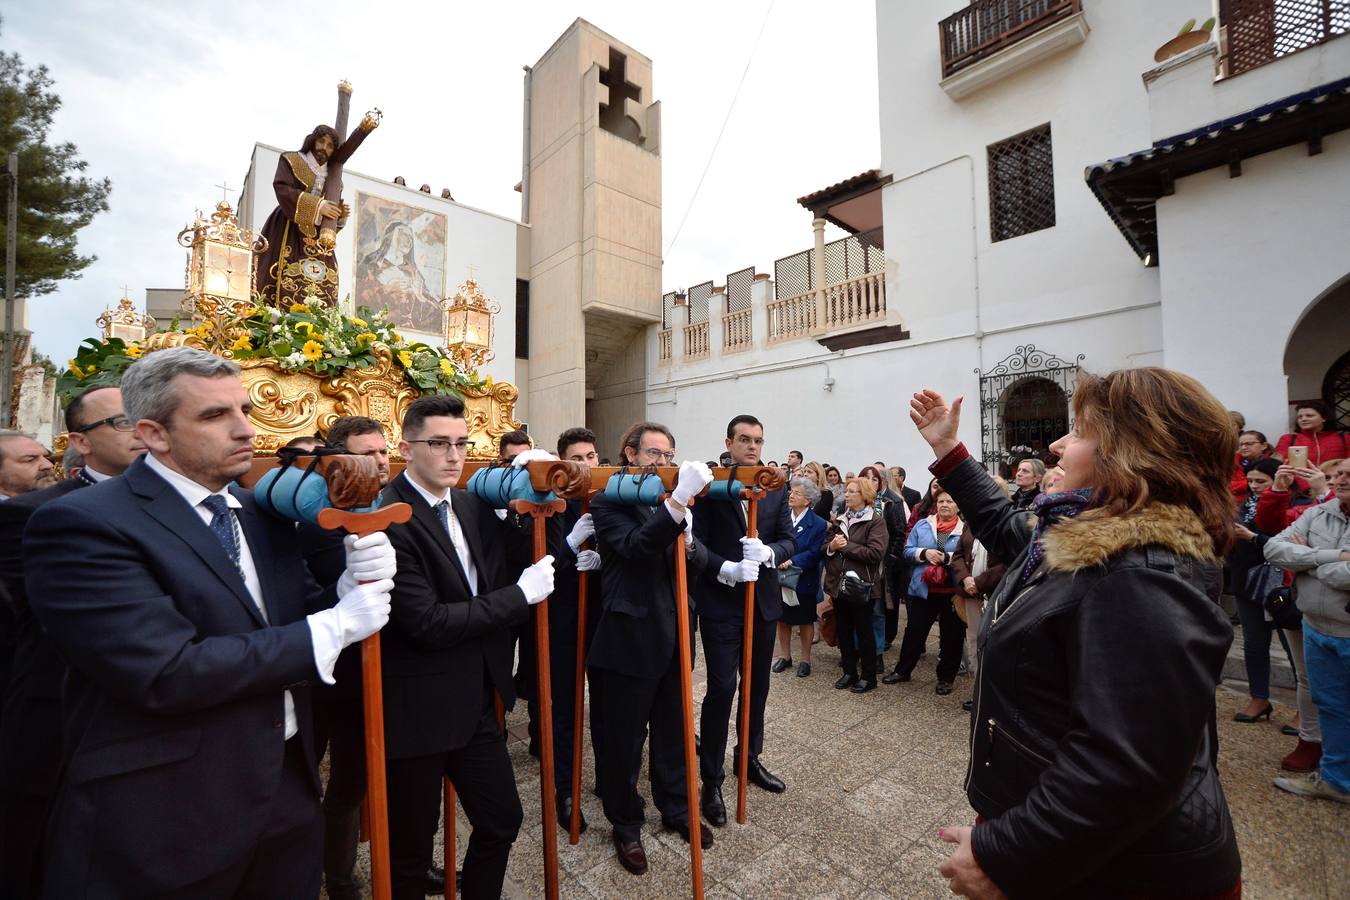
(1093, 745)
(1316, 435)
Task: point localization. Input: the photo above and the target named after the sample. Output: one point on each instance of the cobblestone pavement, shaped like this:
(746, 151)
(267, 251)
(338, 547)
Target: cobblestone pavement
(870, 780)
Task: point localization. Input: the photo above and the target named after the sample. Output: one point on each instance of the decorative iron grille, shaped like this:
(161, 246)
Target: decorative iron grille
(738, 289)
(1021, 184)
(699, 295)
(1024, 405)
(668, 309)
(792, 275)
(857, 254)
(1336, 392)
(1260, 31)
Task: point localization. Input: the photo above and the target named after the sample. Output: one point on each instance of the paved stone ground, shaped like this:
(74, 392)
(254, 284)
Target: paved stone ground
(870, 780)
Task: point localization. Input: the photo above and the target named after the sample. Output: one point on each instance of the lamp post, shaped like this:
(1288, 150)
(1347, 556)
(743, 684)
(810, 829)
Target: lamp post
(468, 326)
(219, 269)
(125, 322)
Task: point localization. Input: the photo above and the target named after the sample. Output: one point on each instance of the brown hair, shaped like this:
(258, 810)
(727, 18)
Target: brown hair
(873, 472)
(1161, 438)
(632, 438)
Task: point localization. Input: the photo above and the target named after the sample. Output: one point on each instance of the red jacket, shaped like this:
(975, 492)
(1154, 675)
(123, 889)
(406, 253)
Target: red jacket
(1238, 483)
(1274, 514)
(1322, 447)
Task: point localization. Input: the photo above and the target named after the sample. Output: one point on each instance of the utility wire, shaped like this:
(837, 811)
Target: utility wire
(712, 153)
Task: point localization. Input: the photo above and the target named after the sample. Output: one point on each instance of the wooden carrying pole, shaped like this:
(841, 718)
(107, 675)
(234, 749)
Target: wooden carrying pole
(540, 513)
(450, 854)
(747, 636)
(687, 699)
(372, 691)
(579, 702)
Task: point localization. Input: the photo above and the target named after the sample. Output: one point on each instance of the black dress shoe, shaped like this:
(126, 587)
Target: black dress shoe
(803, 669)
(705, 838)
(781, 664)
(435, 881)
(893, 678)
(1266, 713)
(968, 705)
(863, 686)
(943, 688)
(631, 855)
(714, 808)
(844, 681)
(347, 889)
(565, 815)
(1289, 730)
(762, 778)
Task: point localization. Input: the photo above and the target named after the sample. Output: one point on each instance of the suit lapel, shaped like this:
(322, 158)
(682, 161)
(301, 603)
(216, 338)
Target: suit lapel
(468, 526)
(276, 602)
(167, 506)
(427, 517)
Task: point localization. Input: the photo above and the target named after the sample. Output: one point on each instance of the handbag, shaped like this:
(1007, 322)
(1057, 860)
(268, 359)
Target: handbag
(934, 575)
(854, 591)
(1265, 584)
(788, 577)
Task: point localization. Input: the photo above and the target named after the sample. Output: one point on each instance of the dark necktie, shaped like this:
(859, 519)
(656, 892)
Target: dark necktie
(225, 528)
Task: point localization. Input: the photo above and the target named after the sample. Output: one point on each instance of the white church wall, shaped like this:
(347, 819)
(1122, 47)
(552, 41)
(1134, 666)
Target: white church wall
(483, 240)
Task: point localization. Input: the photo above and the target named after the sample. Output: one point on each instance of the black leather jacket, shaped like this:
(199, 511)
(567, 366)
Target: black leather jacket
(1093, 744)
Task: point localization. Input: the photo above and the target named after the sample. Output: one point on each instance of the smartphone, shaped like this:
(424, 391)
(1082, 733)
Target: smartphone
(1298, 457)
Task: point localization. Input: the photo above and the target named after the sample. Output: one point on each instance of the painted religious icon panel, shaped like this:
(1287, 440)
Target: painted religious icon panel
(400, 262)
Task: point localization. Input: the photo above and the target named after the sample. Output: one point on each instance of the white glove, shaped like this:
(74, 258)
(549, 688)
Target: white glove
(537, 581)
(369, 558)
(738, 572)
(693, 478)
(588, 561)
(529, 456)
(581, 532)
(755, 549)
(363, 610)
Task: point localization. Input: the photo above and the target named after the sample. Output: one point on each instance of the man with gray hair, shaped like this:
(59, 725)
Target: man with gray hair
(25, 465)
(193, 630)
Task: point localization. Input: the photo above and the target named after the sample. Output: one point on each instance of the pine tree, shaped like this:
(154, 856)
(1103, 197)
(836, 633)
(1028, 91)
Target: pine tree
(56, 199)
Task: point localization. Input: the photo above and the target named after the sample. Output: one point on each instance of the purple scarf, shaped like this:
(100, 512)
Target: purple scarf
(1049, 510)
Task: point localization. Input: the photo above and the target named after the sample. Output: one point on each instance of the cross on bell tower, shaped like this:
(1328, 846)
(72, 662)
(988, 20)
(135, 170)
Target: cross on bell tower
(612, 116)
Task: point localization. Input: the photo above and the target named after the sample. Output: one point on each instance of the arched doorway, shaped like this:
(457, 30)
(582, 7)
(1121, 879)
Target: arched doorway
(1316, 363)
(1024, 405)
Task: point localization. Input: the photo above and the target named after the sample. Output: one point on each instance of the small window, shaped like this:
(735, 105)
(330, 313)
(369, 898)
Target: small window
(1021, 184)
(522, 319)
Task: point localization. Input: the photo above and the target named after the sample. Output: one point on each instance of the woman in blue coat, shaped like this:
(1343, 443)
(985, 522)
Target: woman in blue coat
(799, 601)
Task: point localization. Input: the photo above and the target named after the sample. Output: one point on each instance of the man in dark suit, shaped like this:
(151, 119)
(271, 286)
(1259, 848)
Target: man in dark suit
(459, 593)
(181, 609)
(576, 445)
(635, 658)
(721, 528)
(30, 725)
(908, 494)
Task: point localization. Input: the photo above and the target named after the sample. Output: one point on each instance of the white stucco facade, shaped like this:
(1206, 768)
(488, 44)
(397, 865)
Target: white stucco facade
(1244, 260)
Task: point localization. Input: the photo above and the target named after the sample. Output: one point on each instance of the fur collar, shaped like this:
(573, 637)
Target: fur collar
(1090, 540)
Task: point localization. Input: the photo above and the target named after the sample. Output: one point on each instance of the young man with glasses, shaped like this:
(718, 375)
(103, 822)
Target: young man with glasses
(30, 725)
(459, 593)
(731, 561)
(634, 659)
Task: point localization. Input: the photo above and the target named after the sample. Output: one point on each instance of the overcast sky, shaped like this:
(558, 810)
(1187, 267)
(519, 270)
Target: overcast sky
(168, 99)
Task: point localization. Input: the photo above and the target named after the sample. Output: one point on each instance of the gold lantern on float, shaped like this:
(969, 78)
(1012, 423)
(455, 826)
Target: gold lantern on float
(468, 326)
(125, 322)
(220, 265)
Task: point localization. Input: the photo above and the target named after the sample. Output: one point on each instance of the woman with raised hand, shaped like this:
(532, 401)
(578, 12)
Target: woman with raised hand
(1093, 743)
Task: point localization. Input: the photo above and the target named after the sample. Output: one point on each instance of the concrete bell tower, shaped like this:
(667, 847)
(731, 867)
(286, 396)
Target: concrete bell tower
(592, 197)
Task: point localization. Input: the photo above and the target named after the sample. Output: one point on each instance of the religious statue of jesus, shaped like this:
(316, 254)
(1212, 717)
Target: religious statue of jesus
(300, 265)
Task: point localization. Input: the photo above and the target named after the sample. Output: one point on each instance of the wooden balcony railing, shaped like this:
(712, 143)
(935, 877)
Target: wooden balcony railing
(664, 352)
(1260, 31)
(987, 26)
(737, 333)
(696, 340)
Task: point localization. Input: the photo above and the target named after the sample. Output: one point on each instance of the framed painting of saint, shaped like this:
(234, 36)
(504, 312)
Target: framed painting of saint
(400, 262)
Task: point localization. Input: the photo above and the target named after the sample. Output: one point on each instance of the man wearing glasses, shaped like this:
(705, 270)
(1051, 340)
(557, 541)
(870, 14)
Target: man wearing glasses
(459, 593)
(30, 726)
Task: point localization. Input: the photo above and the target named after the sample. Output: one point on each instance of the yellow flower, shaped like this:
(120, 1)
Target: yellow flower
(366, 336)
(488, 382)
(242, 342)
(134, 352)
(76, 370)
(447, 368)
(360, 322)
(299, 307)
(397, 337)
(248, 313)
(312, 350)
(305, 327)
(406, 358)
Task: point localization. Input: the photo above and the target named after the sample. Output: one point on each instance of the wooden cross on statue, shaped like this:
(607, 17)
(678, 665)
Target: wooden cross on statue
(332, 186)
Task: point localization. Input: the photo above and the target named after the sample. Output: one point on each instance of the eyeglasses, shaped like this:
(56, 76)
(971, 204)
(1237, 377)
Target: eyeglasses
(442, 447)
(119, 422)
(651, 453)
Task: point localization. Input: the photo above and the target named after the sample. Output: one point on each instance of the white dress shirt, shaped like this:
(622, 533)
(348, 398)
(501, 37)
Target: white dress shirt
(456, 531)
(194, 494)
(96, 475)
